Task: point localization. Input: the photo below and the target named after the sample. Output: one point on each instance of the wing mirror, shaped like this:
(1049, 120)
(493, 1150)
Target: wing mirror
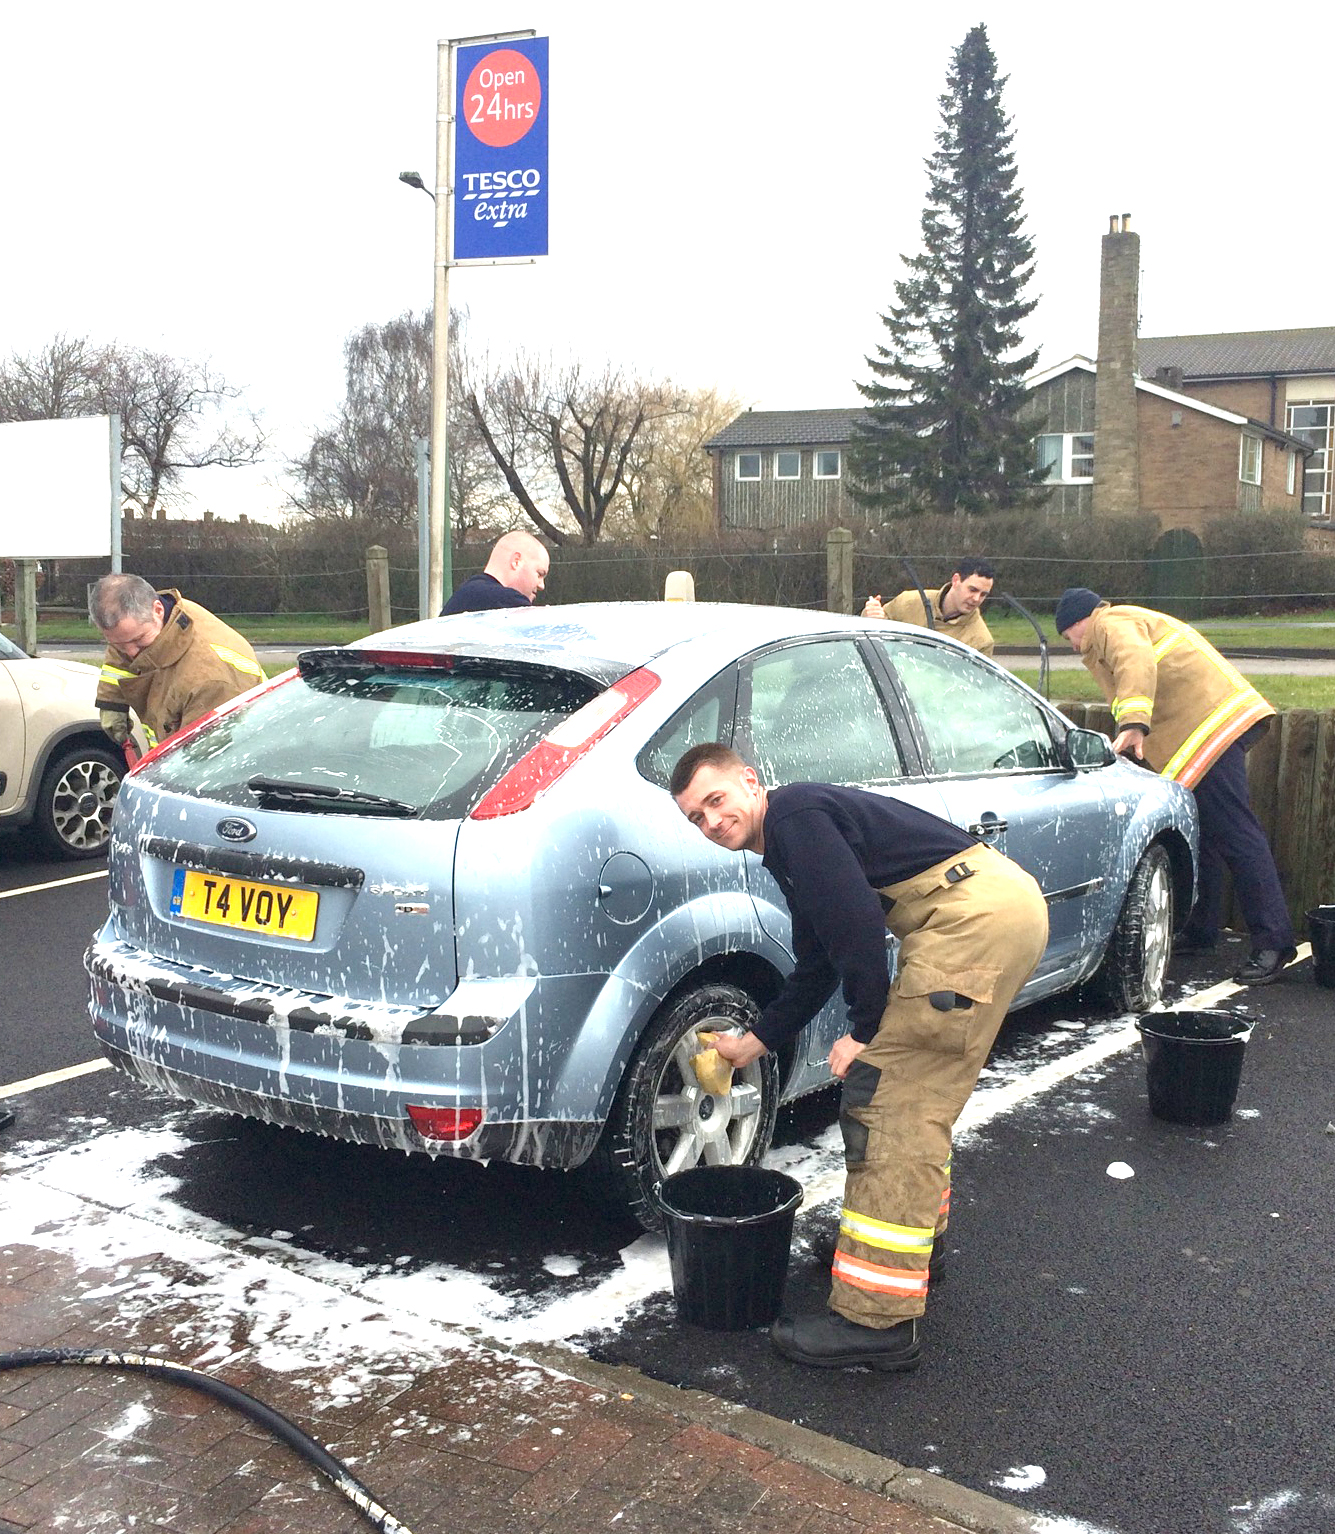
(1086, 749)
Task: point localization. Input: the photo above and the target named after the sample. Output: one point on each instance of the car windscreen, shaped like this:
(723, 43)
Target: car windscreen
(427, 741)
(10, 651)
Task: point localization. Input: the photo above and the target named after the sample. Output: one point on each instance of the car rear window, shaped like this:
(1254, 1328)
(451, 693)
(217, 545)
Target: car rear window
(435, 738)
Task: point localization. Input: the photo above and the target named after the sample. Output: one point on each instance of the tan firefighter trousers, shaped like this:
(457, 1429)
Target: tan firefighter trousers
(971, 930)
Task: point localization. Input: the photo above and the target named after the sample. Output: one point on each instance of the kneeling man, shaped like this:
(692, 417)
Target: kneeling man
(971, 927)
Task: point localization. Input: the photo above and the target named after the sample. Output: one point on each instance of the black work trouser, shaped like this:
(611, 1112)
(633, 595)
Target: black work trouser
(1232, 838)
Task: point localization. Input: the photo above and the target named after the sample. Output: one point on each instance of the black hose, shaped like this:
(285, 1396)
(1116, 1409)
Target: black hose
(266, 1416)
(1042, 639)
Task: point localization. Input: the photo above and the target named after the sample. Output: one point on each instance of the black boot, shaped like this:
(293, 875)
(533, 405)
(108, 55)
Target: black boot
(1265, 966)
(831, 1341)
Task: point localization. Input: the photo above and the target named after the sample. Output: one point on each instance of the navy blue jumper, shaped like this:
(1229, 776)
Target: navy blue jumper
(831, 850)
(480, 592)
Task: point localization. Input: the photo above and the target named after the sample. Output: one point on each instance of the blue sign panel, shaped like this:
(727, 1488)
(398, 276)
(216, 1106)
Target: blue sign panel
(500, 150)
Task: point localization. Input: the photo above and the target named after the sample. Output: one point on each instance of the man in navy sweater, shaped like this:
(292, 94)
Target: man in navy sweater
(515, 573)
(971, 926)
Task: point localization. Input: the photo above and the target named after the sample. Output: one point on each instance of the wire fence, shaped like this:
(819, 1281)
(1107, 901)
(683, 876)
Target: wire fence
(255, 571)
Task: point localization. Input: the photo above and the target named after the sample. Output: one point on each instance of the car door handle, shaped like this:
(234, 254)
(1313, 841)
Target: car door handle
(989, 827)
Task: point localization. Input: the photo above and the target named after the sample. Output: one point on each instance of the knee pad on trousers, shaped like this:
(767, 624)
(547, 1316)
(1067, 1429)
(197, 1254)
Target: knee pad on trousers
(860, 1086)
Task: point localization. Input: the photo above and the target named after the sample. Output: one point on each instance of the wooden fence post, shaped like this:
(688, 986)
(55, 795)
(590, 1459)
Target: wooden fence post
(377, 587)
(1321, 834)
(839, 570)
(1297, 761)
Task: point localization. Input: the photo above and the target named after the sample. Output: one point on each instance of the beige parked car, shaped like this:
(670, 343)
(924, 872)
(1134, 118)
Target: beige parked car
(57, 768)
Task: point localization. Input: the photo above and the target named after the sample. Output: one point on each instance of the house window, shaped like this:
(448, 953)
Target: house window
(788, 465)
(1291, 478)
(1067, 458)
(827, 463)
(748, 466)
(1313, 421)
(1249, 461)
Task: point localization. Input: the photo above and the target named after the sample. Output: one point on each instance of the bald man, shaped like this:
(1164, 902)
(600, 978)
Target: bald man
(515, 572)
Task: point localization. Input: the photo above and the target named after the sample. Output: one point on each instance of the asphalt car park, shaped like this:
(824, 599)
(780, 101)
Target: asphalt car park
(1134, 1353)
(1131, 1354)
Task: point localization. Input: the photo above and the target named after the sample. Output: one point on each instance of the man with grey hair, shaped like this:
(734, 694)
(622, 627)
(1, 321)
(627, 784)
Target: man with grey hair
(168, 659)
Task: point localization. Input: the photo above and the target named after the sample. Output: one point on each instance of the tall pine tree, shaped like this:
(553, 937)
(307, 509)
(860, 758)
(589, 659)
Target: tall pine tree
(943, 430)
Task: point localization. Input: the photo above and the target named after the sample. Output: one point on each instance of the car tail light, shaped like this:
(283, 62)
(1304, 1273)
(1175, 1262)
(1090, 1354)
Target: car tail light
(189, 730)
(444, 1123)
(554, 753)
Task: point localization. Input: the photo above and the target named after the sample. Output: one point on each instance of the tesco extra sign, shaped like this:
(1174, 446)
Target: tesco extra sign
(500, 151)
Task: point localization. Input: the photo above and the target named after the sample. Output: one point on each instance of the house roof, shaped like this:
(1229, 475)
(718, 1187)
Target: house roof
(1183, 401)
(787, 428)
(1241, 354)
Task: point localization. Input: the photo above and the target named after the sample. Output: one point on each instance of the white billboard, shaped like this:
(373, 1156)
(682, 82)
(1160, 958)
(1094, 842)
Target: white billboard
(59, 489)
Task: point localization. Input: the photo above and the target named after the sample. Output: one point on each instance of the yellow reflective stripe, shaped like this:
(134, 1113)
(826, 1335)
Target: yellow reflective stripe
(1165, 644)
(1205, 729)
(237, 661)
(114, 675)
(149, 735)
(1137, 705)
(894, 1238)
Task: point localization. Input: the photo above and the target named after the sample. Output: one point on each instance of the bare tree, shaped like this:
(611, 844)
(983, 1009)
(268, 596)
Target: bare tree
(174, 412)
(173, 418)
(669, 476)
(566, 437)
(62, 379)
(363, 465)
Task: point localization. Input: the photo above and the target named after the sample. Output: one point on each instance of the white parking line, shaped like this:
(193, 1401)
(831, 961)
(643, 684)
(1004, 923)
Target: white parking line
(51, 1078)
(55, 884)
(987, 1104)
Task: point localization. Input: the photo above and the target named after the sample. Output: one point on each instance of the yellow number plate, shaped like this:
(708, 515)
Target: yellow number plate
(277, 909)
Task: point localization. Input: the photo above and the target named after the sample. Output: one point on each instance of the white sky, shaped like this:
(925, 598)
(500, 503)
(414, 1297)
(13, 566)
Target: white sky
(733, 183)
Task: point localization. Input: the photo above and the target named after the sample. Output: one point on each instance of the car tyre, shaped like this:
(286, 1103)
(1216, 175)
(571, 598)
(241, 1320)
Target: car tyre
(1134, 966)
(663, 1121)
(76, 799)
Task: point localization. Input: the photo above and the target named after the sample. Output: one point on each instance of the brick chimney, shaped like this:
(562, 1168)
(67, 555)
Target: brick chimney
(1116, 438)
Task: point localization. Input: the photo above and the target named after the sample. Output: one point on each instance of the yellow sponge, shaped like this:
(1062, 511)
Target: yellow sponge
(712, 1071)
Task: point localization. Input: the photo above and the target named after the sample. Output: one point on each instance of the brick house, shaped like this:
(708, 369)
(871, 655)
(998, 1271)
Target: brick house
(1192, 459)
(1283, 377)
(1161, 450)
(1113, 440)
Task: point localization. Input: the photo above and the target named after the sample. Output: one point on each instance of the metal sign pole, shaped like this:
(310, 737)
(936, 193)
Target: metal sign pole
(439, 530)
(423, 530)
(115, 493)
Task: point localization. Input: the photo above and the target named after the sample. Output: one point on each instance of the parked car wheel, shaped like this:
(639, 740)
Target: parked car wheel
(664, 1121)
(1133, 969)
(76, 800)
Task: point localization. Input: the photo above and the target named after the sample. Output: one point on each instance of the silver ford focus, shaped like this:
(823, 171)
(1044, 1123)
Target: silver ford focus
(429, 890)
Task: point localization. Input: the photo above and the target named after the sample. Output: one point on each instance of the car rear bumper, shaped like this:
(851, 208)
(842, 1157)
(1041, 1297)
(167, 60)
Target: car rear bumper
(346, 1068)
(554, 1143)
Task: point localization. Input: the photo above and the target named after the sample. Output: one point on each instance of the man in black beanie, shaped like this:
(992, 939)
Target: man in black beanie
(1183, 710)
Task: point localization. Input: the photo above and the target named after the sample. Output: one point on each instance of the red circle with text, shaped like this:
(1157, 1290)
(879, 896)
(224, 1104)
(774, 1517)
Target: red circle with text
(502, 97)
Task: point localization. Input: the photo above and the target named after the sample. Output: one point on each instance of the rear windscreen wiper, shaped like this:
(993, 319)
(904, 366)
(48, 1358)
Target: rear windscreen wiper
(285, 788)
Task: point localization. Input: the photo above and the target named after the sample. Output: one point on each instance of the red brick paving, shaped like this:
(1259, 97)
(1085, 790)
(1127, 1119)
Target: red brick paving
(484, 1442)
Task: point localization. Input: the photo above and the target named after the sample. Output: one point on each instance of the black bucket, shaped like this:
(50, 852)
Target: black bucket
(729, 1230)
(1193, 1063)
(1321, 926)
